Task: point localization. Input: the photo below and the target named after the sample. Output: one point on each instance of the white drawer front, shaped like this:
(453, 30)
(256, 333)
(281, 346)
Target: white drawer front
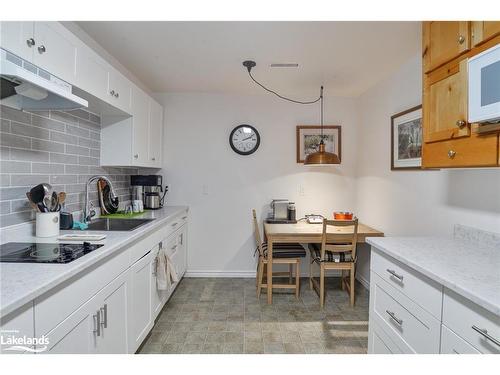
(379, 342)
(175, 223)
(419, 288)
(411, 328)
(461, 315)
(453, 344)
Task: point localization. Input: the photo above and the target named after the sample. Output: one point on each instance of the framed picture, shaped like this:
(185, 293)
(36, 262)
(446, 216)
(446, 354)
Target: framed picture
(309, 137)
(406, 139)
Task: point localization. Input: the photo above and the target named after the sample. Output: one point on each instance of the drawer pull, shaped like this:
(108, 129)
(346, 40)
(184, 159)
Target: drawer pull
(104, 316)
(484, 333)
(184, 217)
(174, 224)
(97, 323)
(173, 248)
(451, 154)
(393, 273)
(394, 317)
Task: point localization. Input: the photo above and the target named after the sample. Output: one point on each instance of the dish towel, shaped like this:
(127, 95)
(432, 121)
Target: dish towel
(165, 271)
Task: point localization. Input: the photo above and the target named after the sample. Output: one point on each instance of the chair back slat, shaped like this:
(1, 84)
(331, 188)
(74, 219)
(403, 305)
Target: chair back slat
(257, 233)
(339, 242)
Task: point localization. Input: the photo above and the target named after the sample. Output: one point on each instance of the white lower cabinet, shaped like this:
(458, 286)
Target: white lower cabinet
(404, 318)
(17, 324)
(141, 320)
(99, 326)
(451, 343)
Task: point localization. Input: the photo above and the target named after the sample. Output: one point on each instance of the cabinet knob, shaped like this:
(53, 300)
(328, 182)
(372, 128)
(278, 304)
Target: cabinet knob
(451, 154)
(460, 123)
(136, 156)
(30, 42)
(42, 49)
(117, 95)
(112, 92)
(153, 159)
(461, 39)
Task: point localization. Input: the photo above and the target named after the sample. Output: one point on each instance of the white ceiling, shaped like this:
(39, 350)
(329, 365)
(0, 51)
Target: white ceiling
(346, 57)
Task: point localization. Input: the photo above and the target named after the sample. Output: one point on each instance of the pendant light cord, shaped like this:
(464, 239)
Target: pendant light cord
(288, 99)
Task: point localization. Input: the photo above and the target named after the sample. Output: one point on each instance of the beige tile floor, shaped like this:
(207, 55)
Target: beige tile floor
(222, 315)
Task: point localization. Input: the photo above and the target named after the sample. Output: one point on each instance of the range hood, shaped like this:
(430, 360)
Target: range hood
(25, 86)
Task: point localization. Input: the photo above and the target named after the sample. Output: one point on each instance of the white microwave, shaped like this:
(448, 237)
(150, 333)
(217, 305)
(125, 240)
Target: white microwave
(484, 88)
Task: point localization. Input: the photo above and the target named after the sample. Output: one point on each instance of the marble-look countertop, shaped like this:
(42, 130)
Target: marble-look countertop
(469, 268)
(21, 283)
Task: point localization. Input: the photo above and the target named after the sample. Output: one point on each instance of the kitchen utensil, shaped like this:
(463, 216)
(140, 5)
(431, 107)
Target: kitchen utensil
(38, 193)
(54, 202)
(32, 204)
(62, 197)
(66, 221)
(108, 204)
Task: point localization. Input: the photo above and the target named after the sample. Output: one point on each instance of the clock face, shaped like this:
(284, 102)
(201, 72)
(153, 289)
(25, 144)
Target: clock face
(244, 139)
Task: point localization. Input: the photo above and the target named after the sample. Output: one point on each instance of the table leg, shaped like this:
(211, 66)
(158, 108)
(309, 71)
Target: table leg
(269, 271)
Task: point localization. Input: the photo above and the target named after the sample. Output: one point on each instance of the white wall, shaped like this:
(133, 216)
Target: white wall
(414, 203)
(197, 153)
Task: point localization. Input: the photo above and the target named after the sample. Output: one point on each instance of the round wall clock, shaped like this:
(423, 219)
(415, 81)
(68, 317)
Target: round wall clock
(244, 139)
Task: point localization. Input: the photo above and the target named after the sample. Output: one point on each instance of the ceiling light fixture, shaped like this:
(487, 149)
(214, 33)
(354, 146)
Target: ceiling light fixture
(320, 157)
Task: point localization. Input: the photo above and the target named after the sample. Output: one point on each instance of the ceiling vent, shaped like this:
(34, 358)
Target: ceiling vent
(285, 65)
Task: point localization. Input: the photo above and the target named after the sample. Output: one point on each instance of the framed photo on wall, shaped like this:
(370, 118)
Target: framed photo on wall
(309, 137)
(406, 139)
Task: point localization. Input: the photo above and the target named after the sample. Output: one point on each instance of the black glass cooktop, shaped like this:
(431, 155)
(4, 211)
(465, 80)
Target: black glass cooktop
(19, 252)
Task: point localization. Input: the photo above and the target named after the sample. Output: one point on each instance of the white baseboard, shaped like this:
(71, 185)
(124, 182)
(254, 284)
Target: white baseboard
(363, 281)
(242, 274)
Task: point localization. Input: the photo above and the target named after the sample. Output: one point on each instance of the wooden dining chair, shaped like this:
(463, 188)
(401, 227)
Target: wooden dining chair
(283, 253)
(337, 251)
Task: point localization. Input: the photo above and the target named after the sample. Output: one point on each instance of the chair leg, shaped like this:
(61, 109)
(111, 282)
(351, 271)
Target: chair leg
(342, 285)
(260, 275)
(257, 273)
(297, 279)
(352, 286)
(321, 286)
(290, 271)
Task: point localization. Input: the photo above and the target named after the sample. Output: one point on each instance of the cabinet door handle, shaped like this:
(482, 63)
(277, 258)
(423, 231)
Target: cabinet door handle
(461, 39)
(30, 42)
(451, 154)
(174, 248)
(174, 224)
(97, 323)
(484, 332)
(42, 49)
(182, 238)
(393, 273)
(136, 156)
(394, 317)
(104, 315)
(112, 92)
(184, 217)
(460, 123)
(153, 158)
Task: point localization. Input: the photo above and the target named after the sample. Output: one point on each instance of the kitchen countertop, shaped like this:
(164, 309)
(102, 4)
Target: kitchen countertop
(469, 268)
(21, 283)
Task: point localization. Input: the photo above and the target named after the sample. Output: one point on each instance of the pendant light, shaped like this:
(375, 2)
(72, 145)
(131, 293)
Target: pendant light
(320, 157)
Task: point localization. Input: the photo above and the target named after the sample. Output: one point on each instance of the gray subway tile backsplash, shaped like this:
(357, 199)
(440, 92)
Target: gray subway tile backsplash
(62, 148)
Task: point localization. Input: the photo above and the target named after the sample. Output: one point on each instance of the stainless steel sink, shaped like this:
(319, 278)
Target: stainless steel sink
(123, 225)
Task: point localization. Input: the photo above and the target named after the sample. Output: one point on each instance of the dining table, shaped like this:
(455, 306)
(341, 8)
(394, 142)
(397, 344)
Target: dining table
(305, 233)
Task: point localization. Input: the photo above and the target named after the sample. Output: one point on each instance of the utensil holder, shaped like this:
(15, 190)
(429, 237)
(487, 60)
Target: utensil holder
(47, 224)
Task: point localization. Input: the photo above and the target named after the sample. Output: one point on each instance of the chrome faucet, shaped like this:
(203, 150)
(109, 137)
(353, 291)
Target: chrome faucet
(88, 210)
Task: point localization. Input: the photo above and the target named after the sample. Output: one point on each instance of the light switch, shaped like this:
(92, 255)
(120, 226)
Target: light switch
(302, 191)
(204, 189)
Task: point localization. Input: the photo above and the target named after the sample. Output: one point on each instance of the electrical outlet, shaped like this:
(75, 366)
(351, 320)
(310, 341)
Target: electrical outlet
(168, 189)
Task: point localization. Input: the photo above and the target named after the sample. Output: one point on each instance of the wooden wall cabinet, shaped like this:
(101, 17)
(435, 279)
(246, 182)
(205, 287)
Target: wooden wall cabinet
(450, 141)
(443, 41)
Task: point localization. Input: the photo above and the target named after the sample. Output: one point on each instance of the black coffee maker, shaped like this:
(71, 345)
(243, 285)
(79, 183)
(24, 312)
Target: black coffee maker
(152, 187)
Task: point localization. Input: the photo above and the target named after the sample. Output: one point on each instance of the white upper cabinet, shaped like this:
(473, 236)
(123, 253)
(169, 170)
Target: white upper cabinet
(140, 126)
(119, 90)
(54, 50)
(155, 133)
(92, 74)
(18, 38)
